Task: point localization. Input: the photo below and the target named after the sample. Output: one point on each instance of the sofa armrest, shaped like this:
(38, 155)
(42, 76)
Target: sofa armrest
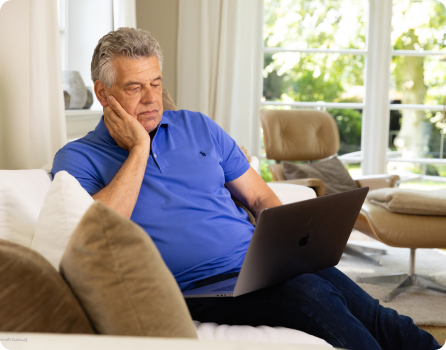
(291, 193)
(54, 341)
(316, 184)
(375, 182)
(255, 164)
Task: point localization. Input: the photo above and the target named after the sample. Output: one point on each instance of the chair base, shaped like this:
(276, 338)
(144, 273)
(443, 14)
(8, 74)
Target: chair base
(358, 251)
(404, 281)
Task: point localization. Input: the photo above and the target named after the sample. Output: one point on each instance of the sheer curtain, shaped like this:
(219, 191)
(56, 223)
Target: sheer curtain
(219, 64)
(124, 14)
(32, 118)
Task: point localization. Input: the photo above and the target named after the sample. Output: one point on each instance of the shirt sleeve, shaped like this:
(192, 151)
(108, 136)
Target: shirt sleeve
(234, 162)
(79, 165)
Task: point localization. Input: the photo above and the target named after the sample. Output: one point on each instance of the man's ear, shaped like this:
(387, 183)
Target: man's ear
(101, 92)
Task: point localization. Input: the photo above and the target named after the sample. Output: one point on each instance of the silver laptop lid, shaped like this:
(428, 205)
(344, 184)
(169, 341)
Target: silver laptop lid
(297, 238)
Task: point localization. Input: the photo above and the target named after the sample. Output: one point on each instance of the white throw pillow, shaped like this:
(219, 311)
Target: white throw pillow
(21, 198)
(64, 206)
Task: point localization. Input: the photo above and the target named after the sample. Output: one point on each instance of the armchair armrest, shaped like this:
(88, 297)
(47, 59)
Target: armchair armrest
(377, 181)
(316, 184)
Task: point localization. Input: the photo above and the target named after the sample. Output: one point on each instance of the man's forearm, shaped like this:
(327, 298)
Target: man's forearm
(268, 200)
(122, 192)
(253, 192)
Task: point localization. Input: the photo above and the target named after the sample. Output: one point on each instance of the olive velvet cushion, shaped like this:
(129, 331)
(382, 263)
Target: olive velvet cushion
(121, 280)
(34, 297)
(331, 171)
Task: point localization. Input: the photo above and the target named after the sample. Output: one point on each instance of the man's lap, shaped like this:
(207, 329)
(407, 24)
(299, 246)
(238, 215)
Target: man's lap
(326, 304)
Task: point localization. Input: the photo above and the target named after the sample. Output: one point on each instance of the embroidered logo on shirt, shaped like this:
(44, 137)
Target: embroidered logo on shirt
(203, 154)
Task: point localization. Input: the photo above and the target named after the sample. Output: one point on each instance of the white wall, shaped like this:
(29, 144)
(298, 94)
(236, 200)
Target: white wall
(160, 18)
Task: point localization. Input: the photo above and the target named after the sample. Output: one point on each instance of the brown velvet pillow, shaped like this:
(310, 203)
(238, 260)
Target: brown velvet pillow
(331, 171)
(121, 280)
(34, 297)
(168, 104)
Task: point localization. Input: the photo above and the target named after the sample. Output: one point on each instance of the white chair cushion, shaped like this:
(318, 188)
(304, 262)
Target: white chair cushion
(64, 206)
(22, 193)
(264, 334)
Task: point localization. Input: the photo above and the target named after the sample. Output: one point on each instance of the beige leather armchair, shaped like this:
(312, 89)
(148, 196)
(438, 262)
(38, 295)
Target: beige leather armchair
(310, 135)
(307, 135)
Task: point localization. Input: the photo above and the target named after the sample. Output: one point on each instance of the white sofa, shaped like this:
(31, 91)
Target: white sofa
(22, 195)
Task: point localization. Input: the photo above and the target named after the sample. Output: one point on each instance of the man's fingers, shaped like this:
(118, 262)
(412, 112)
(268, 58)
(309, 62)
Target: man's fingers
(116, 106)
(111, 116)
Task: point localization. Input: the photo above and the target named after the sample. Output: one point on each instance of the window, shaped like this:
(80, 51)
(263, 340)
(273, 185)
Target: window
(80, 28)
(335, 55)
(417, 90)
(62, 17)
(314, 57)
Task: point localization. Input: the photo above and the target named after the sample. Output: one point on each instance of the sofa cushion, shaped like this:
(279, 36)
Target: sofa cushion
(264, 334)
(121, 280)
(34, 297)
(65, 204)
(21, 197)
(331, 171)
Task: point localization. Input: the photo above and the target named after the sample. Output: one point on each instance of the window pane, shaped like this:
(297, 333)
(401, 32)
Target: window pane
(60, 13)
(302, 77)
(424, 183)
(349, 123)
(416, 134)
(419, 25)
(418, 80)
(419, 176)
(300, 24)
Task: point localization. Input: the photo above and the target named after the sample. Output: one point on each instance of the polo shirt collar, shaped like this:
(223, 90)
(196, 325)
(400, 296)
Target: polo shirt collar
(104, 134)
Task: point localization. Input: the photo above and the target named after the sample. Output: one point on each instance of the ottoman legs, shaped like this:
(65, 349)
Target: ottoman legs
(358, 251)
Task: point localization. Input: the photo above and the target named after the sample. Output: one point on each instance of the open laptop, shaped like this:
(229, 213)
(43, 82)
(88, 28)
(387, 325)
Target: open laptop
(291, 240)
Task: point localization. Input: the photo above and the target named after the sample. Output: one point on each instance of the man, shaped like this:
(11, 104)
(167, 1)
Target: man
(173, 173)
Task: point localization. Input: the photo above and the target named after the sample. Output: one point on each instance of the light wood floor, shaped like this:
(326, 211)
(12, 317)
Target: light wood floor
(439, 333)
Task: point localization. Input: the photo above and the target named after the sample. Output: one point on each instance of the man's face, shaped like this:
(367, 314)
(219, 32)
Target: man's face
(138, 89)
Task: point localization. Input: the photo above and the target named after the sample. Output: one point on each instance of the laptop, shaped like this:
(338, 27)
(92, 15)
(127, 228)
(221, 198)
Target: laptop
(290, 240)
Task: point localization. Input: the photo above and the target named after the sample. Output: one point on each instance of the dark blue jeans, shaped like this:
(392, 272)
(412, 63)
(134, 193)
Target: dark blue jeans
(326, 304)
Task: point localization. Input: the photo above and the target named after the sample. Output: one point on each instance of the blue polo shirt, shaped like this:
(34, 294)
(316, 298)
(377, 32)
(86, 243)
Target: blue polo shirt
(183, 204)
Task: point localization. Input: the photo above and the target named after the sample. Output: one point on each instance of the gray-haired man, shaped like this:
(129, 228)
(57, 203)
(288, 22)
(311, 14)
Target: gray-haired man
(173, 173)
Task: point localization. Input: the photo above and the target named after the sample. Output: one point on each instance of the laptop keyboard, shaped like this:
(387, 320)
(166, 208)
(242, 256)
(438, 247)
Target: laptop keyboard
(225, 289)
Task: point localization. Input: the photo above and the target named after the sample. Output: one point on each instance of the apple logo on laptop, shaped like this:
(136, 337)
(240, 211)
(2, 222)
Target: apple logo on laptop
(304, 240)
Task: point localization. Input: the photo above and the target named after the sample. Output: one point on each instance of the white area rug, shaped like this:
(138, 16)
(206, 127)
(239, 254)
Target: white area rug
(425, 307)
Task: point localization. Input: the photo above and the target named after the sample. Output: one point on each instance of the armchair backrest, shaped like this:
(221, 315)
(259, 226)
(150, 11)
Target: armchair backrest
(299, 134)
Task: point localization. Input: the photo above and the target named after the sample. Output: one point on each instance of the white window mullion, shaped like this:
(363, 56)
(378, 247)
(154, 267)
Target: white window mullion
(320, 104)
(420, 53)
(341, 51)
(375, 122)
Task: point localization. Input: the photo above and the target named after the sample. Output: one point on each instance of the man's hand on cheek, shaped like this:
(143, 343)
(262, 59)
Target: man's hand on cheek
(124, 128)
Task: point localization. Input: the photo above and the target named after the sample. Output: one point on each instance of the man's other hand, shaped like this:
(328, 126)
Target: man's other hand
(124, 128)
